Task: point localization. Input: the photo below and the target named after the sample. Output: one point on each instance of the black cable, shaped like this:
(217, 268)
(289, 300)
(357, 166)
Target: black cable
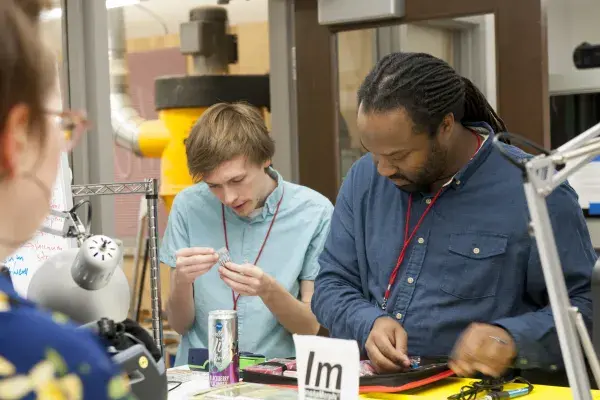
(174, 387)
(123, 335)
(508, 394)
(518, 162)
(142, 335)
(470, 392)
(142, 280)
(519, 140)
(88, 221)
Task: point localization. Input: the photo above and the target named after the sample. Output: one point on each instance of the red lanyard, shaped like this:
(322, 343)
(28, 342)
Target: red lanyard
(233, 295)
(408, 238)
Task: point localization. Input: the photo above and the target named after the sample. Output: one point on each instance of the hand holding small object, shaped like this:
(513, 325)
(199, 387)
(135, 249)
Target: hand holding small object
(387, 346)
(224, 256)
(193, 262)
(484, 348)
(245, 279)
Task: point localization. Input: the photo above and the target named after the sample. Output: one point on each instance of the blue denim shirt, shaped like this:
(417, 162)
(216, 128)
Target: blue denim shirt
(471, 260)
(290, 256)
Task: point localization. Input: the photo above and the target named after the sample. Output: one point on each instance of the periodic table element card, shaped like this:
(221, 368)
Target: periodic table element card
(328, 369)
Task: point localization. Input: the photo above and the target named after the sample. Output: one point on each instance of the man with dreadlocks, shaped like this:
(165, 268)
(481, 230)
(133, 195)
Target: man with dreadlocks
(429, 252)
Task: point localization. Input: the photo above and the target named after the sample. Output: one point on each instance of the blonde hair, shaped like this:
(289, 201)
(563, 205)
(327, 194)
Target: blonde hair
(226, 131)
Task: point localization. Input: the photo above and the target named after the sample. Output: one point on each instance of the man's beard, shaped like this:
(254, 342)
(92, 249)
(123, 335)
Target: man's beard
(432, 171)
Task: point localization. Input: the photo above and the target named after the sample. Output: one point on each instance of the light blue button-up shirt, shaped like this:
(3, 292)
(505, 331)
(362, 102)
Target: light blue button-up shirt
(290, 256)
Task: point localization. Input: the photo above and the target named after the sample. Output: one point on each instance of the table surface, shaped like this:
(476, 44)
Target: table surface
(190, 388)
(451, 386)
(438, 391)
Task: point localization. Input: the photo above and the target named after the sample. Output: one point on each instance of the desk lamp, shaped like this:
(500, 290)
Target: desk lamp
(542, 174)
(88, 285)
(85, 283)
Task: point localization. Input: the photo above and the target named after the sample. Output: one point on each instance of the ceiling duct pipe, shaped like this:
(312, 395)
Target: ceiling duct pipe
(126, 121)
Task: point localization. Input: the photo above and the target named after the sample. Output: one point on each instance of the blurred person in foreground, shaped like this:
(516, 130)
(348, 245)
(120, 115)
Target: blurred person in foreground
(42, 355)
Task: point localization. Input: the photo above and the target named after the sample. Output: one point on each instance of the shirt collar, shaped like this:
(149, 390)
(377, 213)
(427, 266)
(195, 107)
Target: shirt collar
(273, 199)
(463, 175)
(271, 202)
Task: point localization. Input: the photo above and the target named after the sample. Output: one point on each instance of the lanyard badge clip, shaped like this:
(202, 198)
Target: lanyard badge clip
(384, 304)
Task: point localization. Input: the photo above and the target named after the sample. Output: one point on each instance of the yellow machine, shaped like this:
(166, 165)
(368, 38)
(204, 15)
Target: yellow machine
(165, 139)
(181, 100)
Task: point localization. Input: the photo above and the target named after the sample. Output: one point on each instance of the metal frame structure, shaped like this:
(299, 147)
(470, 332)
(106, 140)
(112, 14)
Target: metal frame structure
(86, 74)
(468, 40)
(386, 40)
(543, 174)
(150, 188)
(138, 257)
(72, 229)
(282, 76)
(472, 46)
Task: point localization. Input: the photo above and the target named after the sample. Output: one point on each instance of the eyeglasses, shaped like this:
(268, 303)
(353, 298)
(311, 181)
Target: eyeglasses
(73, 124)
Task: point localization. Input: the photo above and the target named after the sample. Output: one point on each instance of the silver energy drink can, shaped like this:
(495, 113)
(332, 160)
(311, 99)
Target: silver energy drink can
(223, 354)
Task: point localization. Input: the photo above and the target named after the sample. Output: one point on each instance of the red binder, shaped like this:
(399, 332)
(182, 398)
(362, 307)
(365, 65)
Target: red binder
(429, 371)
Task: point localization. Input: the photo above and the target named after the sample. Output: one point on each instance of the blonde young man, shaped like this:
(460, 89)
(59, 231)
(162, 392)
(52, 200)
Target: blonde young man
(274, 230)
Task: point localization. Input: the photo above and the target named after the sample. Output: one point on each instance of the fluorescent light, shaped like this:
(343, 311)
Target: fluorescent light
(120, 3)
(56, 13)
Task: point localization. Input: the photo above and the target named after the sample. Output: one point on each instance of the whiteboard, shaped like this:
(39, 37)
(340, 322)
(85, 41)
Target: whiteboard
(26, 260)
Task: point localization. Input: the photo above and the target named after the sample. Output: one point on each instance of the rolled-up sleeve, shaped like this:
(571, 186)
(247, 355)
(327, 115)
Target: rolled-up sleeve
(338, 301)
(176, 234)
(535, 332)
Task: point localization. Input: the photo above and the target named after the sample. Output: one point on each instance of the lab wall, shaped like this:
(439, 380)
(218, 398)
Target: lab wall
(571, 22)
(155, 26)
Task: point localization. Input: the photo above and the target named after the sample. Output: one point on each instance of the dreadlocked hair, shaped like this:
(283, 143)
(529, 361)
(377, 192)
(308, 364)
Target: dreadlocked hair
(428, 88)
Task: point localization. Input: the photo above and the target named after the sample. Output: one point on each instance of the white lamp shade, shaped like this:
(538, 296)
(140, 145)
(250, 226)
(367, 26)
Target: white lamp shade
(53, 288)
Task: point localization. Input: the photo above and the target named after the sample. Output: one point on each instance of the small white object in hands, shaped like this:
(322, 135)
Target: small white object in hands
(224, 256)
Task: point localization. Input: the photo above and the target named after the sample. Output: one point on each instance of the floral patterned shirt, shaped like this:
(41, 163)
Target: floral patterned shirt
(43, 356)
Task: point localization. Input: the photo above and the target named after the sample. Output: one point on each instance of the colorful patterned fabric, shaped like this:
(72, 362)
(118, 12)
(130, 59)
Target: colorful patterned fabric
(43, 356)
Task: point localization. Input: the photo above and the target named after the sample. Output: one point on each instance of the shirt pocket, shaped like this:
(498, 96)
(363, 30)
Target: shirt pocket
(473, 267)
